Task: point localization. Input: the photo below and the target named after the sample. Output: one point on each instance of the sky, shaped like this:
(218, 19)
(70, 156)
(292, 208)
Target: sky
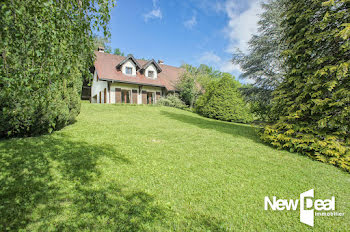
(185, 31)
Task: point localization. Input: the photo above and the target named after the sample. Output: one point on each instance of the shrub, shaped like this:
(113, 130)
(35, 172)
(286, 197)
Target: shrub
(222, 100)
(172, 100)
(47, 49)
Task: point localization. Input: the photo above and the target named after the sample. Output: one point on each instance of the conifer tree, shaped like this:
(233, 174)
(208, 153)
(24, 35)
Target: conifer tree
(222, 100)
(313, 99)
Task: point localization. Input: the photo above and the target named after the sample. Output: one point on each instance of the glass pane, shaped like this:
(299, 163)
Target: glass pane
(127, 96)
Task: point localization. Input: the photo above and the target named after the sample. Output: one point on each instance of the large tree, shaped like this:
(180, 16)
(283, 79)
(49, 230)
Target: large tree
(46, 49)
(263, 63)
(313, 100)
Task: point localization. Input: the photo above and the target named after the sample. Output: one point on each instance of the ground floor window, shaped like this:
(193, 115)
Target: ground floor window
(125, 96)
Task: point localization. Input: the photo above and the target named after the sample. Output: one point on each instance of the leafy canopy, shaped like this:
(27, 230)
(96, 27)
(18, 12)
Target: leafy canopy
(46, 50)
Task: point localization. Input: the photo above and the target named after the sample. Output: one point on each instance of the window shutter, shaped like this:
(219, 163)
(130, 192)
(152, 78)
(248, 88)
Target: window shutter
(144, 97)
(118, 95)
(134, 96)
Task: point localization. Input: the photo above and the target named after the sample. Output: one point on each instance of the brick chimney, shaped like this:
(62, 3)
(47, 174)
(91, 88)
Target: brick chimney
(101, 49)
(160, 62)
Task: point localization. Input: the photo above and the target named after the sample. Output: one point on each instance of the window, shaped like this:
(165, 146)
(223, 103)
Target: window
(151, 74)
(128, 70)
(150, 98)
(125, 96)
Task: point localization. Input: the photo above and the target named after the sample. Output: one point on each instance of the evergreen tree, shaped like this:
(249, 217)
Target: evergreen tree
(313, 99)
(222, 100)
(263, 63)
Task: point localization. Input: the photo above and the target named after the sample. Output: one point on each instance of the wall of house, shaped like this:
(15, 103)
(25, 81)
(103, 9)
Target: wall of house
(151, 68)
(130, 64)
(152, 89)
(131, 87)
(97, 87)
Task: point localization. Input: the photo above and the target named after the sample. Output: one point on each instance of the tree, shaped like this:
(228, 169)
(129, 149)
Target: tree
(259, 100)
(102, 42)
(46, 50)
(194, 81)
(263, 63)
(313, 100)
(222, 100)
(188, 86)
(118, 52)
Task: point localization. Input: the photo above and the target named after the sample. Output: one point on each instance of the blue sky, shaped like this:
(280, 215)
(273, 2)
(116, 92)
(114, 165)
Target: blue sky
(186, 31)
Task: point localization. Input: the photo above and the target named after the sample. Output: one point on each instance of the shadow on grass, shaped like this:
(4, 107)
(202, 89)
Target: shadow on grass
(201, 222)
(220, 126)
(53, 183)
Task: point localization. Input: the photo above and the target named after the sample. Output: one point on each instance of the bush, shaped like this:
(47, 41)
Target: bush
(47, 49)
(172, 101)
(222, 100)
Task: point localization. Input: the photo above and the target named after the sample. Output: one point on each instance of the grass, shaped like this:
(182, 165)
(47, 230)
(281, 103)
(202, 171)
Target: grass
(139, 168)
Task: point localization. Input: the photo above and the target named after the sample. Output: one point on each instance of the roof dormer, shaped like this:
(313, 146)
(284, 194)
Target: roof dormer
(151, 69)
(129, 66)
(150, 63)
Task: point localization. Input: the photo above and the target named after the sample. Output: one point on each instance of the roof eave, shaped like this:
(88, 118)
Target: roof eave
(131, 82)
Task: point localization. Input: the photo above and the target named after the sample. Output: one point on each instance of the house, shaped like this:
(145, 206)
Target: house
(118, 79)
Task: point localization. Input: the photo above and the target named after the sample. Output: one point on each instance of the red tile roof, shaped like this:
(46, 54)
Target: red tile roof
(105, 65)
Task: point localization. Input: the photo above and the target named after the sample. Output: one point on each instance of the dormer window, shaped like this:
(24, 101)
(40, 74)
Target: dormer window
(128, 70)
(151, 74)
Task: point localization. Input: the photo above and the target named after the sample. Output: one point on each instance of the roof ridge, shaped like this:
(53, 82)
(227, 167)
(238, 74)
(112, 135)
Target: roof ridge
(124, 57)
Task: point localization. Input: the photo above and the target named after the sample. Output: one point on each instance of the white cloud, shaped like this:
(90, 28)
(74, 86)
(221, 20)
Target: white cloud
(239, 29)
(228, 66)
(213, 60)
(154, 13)
(191, 22)
(241, 25)
(209, 58)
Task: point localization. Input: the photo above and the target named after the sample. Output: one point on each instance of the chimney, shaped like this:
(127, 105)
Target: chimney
(160, 62)
(101, 49)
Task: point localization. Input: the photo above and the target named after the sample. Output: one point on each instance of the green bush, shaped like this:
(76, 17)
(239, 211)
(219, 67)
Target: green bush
(172, 100)
(46, 50)
(222, 100)
(313, 100)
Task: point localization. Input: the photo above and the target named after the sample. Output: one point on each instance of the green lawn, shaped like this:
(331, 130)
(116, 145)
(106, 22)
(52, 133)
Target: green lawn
(132, 168)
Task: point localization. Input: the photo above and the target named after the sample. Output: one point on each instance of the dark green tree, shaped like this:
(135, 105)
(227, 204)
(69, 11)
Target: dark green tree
(222, 100)
(46, 49)
(313, 99)
(263, 62)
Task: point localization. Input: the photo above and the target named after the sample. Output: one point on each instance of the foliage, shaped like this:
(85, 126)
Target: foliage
(46, 49)
(172, 100)
(118, 52)
(222, 100)
(188, 86)
(157, 169)
(194, 81)
(259, 100)
(103, 42)
(263, 63)
(313, 101)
